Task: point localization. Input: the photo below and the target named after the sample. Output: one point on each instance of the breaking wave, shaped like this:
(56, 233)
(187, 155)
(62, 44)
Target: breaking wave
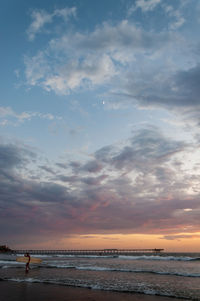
(158, 257)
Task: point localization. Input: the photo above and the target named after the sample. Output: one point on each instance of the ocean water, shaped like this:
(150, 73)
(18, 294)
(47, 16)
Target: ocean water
(167, 274)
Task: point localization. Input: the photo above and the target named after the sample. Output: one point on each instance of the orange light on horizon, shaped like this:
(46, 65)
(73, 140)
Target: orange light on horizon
(179, 242)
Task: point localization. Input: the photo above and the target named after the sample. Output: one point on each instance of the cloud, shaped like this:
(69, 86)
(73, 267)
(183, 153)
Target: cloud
(92, 166)
(145, 5)
(130, 187)
(174, 13)
(40, 18)
(10, 156)
(176, 91)
(111, 56)
(187, 85)
(94, 180)
(133, 64)
(179, 20)
(69, 179)
(179, 237)
(11, 117)
(76, 74)
(61, 165)
(146, 149)
(87, 60)
(65, 12)
(112, 38)
(47, 169)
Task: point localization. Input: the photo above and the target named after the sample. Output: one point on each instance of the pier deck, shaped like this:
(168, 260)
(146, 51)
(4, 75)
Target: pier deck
(90, 252)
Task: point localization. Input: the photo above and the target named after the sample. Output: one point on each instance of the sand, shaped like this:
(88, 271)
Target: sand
(14, 291)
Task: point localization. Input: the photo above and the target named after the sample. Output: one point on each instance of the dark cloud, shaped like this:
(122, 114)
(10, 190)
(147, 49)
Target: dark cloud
(61, 165)
(47, 169)
(48, 192)
(92, 167)
(94, 180)
(75, 164)
(104, 154)
(13, 156)
(69, 179)
(147, 148)
(187, 84)
(173, 90)
(132, 188)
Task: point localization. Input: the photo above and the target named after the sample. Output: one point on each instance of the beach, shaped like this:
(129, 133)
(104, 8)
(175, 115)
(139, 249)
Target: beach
(63, 277)
(12, 291)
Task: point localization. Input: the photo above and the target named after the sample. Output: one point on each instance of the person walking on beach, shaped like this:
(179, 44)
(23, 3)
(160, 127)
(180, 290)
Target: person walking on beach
(27, 264)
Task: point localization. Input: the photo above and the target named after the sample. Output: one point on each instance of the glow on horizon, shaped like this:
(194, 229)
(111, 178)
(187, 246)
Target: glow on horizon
(180, 242)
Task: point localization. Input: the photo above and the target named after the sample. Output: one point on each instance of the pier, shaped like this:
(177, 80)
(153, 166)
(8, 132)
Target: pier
(104, 252)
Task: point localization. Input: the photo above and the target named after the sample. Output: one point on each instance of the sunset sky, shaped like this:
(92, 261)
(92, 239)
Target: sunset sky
(99, 121)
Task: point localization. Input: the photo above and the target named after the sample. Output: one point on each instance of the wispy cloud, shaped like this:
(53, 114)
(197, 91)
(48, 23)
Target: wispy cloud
(114, 54)
(174, 13)
(144, 5)
(111, 56)
(90, 59)
(180, 236)
(9, 116)
(40, 18)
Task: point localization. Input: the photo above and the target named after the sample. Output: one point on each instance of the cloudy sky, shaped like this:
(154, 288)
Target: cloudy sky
(99, 121)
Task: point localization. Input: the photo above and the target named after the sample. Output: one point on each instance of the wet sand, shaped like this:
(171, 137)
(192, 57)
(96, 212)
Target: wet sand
(13, 291)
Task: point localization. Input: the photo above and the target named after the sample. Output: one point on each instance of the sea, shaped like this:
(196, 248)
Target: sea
(165, 274)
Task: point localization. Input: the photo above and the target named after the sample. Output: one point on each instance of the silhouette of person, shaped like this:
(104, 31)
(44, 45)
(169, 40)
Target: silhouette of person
(27, 264)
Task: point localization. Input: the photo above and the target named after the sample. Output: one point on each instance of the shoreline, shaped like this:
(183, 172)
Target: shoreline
(18, 291)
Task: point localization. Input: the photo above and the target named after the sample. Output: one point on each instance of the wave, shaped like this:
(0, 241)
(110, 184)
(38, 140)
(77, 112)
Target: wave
(196, 259)
(139, 271)
(6, 261)
(140, 289)
(37, 255)
(11, 267)
(105, 269)
(157, 257)
(85, 256)
(60, 266)
(10, 262)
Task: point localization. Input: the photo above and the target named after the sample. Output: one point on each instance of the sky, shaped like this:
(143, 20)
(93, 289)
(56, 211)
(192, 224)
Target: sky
(99, 124)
